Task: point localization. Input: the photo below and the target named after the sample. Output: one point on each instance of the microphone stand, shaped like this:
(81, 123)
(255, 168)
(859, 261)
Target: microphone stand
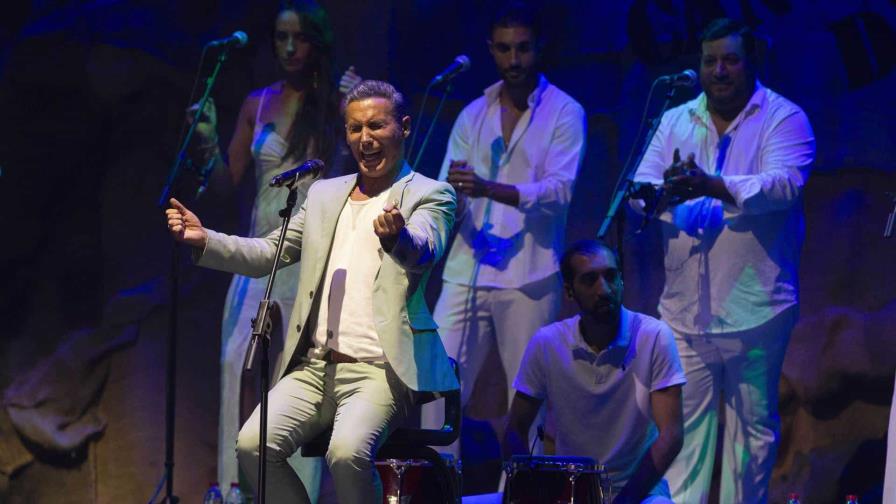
(171, 357)
(179, 160)
(435, 117)
(417, 123)
(625, 183)
(261, 334)
(891, 218)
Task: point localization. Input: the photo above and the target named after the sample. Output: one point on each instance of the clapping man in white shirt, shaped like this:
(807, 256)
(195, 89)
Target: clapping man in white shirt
(734, 160)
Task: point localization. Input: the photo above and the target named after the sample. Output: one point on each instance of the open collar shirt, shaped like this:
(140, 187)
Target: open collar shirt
(498, 245)
(733, 267)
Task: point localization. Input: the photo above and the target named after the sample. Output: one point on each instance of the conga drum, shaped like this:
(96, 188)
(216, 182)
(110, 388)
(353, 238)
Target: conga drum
(419, 481)
(555, 480)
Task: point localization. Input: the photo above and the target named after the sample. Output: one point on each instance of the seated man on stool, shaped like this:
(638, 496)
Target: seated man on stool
(361, 340)
(612, 379)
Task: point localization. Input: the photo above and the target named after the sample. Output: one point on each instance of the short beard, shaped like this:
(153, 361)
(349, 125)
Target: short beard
(527, 81)
(607, 316)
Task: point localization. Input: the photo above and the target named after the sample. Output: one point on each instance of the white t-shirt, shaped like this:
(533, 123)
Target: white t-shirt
(345, 321)
(601, 402)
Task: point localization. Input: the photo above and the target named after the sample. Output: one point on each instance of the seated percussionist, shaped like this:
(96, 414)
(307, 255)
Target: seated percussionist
(612, 379)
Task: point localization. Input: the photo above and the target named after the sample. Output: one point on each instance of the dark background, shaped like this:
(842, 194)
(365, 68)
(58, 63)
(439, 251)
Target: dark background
(91, 105)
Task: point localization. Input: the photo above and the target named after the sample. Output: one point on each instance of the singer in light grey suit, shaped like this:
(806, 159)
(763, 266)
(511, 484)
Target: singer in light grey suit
(360, 338)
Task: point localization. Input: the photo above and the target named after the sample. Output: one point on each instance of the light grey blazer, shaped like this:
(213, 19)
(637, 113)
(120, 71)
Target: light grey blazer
(404, 323)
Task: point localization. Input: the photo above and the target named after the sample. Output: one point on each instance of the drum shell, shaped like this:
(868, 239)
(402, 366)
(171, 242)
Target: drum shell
(554, 480)
(418, 481)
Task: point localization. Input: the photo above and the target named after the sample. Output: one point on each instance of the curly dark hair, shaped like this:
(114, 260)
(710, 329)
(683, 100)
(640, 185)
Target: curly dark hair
(723, 27)
(518, 13)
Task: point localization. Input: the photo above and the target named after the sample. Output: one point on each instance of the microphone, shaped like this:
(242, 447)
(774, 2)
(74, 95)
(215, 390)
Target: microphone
(460, 64)
(238, 39)
(311, 167)
(687, 78)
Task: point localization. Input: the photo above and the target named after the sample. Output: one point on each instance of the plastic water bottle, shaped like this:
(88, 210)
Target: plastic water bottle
(234, 496)
(793, 498)
(213, 495)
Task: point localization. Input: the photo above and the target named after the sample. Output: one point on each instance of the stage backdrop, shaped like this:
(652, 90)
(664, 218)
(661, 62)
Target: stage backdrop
(92, 97)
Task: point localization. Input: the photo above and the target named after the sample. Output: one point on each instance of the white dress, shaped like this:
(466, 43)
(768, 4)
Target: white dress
(244, 295)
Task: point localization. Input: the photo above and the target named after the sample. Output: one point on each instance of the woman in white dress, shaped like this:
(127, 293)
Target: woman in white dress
(279, 126)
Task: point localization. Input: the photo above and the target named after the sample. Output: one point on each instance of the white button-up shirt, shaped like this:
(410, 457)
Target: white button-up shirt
(498, 245)
(733, 267)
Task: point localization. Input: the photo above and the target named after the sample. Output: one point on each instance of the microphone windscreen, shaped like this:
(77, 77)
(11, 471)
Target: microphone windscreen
(241, 37)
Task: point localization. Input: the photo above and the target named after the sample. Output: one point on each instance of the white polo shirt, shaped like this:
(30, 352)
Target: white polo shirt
(601, 402)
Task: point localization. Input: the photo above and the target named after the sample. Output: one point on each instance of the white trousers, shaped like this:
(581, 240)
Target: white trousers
(474, 319)
(890, 474)
(743, 369)
(364, 402)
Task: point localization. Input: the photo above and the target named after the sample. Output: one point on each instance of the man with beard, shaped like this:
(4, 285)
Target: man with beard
(612, 380)
(512, 157)
(734, 160)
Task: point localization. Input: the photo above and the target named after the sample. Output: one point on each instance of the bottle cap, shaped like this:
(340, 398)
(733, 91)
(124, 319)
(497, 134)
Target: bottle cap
(234, 484)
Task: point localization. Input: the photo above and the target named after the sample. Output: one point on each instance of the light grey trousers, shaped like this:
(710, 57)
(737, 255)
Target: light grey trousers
(363, 401)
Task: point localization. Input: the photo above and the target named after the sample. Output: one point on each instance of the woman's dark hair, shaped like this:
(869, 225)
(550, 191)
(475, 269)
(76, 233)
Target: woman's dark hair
(317, 121)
